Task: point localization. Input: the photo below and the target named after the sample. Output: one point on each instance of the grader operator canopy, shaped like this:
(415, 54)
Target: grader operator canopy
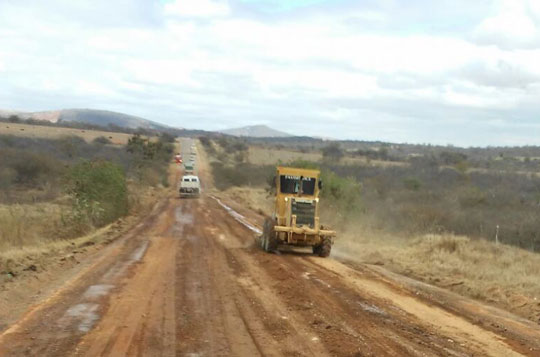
(297, 184)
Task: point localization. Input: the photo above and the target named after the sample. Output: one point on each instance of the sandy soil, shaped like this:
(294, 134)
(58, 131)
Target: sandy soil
(191, 281)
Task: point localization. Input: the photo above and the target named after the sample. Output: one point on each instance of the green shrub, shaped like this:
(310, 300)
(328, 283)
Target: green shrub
(167, 138)
(226, 176)
(333, 152)
(99, 190)
(150, 150)
(208, 145)
(7, 177)
(102, 140)
(412, 183)
(28, 168)
(472, 197)
(70, 145)
(344, 192)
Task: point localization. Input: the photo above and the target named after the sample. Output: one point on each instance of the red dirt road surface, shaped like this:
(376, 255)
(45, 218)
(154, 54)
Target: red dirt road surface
(190, 280)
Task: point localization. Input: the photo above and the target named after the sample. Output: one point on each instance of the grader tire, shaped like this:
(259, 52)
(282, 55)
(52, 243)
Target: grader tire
(271, 243)
(316, 249)
(269, 240)
(325, 248)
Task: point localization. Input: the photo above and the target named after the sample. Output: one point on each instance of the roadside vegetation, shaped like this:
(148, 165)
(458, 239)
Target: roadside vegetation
(409, 189)
(58, 189)
(449, 216)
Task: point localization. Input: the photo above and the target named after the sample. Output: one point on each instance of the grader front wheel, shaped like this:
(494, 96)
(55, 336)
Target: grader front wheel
(269, 240)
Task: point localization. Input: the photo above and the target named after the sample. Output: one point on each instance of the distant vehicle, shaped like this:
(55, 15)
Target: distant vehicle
(189, 168)
(178, 158)
(190, 186)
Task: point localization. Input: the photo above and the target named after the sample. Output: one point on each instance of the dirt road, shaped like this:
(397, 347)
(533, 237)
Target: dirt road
(189, 280)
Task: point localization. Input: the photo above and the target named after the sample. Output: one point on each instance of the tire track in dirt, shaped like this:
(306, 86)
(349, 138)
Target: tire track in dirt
(319, 311)
(59, 322)
(432, 330)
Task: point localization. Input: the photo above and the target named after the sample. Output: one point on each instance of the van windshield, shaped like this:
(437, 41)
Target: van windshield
(291, 184)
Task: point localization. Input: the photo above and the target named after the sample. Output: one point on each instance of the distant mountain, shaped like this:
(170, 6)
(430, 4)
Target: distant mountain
(104, 118)
(256, 131)
(89, 116)
(52, 115)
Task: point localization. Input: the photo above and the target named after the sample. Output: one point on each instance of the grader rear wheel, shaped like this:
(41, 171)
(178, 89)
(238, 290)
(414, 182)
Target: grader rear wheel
(325, 248)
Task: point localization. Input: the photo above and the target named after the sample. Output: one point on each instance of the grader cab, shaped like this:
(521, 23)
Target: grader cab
(295, 221)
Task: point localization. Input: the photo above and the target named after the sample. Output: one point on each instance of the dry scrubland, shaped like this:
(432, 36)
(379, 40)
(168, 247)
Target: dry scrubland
(500, 274)
(258, 155)
(58, 194)
(52, 132)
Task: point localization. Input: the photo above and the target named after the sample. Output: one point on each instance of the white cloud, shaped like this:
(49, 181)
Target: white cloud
(514, 25)
(197, 8)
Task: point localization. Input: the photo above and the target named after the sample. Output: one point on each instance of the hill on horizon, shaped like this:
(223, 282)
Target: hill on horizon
(256, 131)
(89, 116)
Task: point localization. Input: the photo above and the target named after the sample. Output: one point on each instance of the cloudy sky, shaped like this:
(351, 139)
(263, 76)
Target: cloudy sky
(448, 71)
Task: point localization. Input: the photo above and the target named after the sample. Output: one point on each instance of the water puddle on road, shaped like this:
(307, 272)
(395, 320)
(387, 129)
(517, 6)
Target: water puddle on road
(182, 218)
(116, 271)
(372, 308)
(97, 291)
(85, 315)
(238, 217)
(310, 276)
(139, 252)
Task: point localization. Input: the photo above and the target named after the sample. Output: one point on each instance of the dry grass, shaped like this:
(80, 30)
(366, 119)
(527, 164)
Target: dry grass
(30, 234)
(50, 132)
(361, 160)
(28, 224)
(502, 275)
(13, 258)
(255, 199)
(267, 156)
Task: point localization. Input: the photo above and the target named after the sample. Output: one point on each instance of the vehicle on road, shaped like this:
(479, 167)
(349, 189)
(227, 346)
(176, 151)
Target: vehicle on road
(178, 158)
(190, 186)
(189, 168)
(295, 221)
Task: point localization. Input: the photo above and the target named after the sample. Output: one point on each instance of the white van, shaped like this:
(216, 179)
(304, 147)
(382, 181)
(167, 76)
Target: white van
(190, 186)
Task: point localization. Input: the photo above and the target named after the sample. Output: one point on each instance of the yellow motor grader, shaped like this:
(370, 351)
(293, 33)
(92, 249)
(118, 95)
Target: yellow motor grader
(295, 220)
